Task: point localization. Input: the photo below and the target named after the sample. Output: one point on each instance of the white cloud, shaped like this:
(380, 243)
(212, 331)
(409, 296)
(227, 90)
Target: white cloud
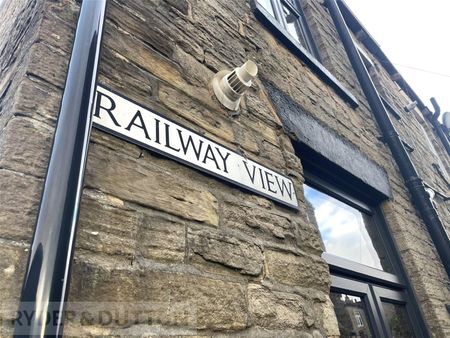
(343, 229)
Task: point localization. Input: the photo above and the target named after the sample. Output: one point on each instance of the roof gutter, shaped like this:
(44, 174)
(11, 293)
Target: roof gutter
(438, 127)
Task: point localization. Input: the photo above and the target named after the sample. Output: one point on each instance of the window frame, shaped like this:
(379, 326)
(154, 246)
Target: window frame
(279, 31)
(343, 265)
(373, 296)
(360, 289)
(372, 284)
(277, 6)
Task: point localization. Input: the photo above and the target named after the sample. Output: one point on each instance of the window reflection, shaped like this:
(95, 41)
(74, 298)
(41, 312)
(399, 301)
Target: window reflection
(346, 232)
(267, 4)
(397, 320)
(293, 25)
(351, 316)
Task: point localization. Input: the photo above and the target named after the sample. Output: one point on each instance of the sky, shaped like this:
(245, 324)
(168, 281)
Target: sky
(413, 34)
(342, 229)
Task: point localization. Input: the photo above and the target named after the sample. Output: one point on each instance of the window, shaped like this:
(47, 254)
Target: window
(358, 319)
(369, 288)
(285, 18)
(346, 231)
(290, 16)
(350, 312)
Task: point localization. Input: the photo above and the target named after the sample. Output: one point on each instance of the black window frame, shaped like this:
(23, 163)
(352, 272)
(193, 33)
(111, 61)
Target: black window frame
(309, 57)
(372, 297)
(371, 284)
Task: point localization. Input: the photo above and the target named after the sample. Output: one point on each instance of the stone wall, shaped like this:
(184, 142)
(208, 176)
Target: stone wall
(208, 258)
(29, 103)
(430, 159)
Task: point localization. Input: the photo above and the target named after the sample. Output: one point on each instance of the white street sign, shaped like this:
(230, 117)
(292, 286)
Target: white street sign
(134, 123)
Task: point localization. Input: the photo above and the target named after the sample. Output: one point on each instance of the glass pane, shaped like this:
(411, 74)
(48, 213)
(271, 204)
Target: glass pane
(351, 316)
(346, 232)
(293, 26)
(397, 320)
(267, 4)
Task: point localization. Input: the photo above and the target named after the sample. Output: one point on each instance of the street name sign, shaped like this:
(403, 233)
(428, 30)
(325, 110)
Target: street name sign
(131, 121)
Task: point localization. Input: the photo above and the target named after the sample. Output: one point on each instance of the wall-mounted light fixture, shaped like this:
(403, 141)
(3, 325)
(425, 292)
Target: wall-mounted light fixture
(229, 86)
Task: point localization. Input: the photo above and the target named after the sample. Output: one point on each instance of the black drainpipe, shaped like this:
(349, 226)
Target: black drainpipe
(433, 118)
(414, 183)
(47, 278)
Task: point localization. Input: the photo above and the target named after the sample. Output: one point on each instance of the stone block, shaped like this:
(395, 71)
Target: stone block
(13, 260)
(227, 249)
(65, 10)
(272, 156)
(132, 80)
(54, 30)
(148, 185)
(327, 318)
(161, 237)
(257, 221)
(129, 17)
(48, 63)
(106, 225)
(247, 141)
(159, 66)
(275, 310)
(115, 144)
(309, 237)
(193, 70)
(304, 271)
(260, 106)
(166, 298)
(19, 201)
(25, 146)
(207, 119)
(46, 108)
(266, 131)
(170, 28)
(182, 5)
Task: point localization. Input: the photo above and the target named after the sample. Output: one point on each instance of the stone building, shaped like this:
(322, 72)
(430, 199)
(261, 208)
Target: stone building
(198, 254)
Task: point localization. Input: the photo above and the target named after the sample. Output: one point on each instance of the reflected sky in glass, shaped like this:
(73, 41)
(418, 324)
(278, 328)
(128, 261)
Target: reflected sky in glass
(343, 229)
(266, 4)
(293, 26)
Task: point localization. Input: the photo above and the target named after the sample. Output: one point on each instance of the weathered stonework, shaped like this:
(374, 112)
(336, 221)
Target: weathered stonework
(210, 259)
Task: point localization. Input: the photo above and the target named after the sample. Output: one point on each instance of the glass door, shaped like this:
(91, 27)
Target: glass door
(393, 312)
(365, 310)
(352, 315)
(355, 308)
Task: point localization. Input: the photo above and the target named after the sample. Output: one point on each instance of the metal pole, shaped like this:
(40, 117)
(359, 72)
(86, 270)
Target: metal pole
(46, 282)
(437, 125)
(414, 183)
